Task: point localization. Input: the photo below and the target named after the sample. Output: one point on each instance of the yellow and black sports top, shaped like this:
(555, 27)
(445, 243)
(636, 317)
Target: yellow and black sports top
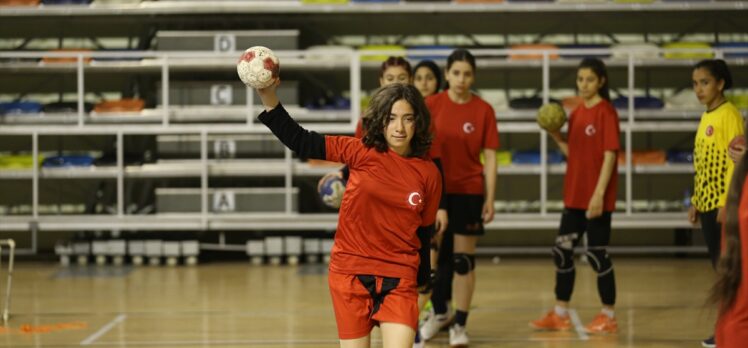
(710, 161)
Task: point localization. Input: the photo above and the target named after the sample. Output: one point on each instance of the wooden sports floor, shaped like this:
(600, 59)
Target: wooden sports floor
(235, 304)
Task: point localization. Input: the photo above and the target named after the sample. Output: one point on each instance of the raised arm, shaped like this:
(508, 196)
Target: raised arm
(305, 143)
(595, 207)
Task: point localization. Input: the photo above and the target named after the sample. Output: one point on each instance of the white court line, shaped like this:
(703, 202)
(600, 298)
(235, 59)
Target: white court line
(578, 325)
(91, 339)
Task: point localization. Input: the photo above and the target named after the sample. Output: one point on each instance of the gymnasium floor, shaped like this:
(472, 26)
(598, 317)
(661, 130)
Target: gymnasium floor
(234, 304)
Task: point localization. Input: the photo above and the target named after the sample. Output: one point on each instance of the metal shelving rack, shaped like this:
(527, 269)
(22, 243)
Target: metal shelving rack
(167, 119)
(287, 167)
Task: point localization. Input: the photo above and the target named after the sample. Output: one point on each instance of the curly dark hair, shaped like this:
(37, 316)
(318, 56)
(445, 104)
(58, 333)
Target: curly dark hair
(377, 115)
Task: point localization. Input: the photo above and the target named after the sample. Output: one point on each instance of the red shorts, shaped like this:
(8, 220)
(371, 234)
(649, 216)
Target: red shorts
(353, 303)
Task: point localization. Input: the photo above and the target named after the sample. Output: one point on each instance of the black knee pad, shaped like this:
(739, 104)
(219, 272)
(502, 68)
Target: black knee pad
(564, 259)
(464, 263)
(600, 261)
(563, 252)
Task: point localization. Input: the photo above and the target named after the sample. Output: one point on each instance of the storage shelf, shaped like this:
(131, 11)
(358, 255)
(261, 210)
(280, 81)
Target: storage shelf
(199, 113)
(151, 65)
(508, 119)
(148, 8)
(301, 222)
(560, 169)
(177, 169)
(275, 167)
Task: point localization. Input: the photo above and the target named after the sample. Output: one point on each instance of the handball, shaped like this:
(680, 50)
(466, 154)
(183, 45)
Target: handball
(331, 191)
(551, 117)
(258, 67)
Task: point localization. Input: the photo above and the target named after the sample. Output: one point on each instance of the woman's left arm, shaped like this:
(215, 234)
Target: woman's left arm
(489, 172)
(595, 207)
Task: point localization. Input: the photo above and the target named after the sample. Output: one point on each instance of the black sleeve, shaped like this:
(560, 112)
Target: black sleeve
(443, 199)
(304, 143)
(424, 267)
(346, 173)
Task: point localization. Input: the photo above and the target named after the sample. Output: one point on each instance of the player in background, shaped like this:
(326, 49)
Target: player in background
(719, 125)
(590, 184)
(466, 126)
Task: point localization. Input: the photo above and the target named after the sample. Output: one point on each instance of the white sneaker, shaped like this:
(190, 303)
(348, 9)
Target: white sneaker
(433, 324)
(458, 336)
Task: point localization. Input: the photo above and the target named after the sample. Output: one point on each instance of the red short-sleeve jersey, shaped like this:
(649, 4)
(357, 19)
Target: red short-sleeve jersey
(386, 199)
(464, 130)
(592, 131)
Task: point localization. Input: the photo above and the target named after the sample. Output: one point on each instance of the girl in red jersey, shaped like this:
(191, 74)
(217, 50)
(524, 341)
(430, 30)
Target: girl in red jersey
(730, 291)
(387, 214)
(589, 198)
(427, 78)
(466, 126)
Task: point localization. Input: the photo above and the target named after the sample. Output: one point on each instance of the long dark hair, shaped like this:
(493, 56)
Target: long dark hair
(429, 64)
(598, 67)
(459, 55)
(729, 270)
(395, 61)
(717, 68)
(377, 115)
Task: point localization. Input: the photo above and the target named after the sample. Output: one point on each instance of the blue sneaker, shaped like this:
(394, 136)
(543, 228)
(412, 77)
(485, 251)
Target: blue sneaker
(709, 342)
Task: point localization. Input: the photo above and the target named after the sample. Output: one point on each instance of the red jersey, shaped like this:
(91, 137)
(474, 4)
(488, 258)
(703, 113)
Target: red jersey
(592, 131)
(386, 199)
(464, 130)
(732, 326)
(359, 129)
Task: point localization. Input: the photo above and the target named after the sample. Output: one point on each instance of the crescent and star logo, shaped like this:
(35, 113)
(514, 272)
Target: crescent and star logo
(414, 199)
(590, 130)
(468, 128)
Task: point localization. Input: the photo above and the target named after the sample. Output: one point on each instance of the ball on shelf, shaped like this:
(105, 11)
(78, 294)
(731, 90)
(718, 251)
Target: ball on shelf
(258, 67)
(551, 117)
(331, 191)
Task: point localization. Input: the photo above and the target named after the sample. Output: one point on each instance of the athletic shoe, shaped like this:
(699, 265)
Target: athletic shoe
(602, 324)
(709, 342)
(433, 324)
(552, 321)
(458, 336)
(418, 343)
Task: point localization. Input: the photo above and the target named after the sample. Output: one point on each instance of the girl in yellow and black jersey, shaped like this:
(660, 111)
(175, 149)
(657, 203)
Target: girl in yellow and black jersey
(720, 124)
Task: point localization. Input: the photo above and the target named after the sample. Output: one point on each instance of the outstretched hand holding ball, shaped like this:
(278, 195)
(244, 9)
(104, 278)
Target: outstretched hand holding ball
(259, 68)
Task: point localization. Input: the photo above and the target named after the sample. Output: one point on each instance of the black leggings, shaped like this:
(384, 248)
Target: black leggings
(442, 292)
(712, 234)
